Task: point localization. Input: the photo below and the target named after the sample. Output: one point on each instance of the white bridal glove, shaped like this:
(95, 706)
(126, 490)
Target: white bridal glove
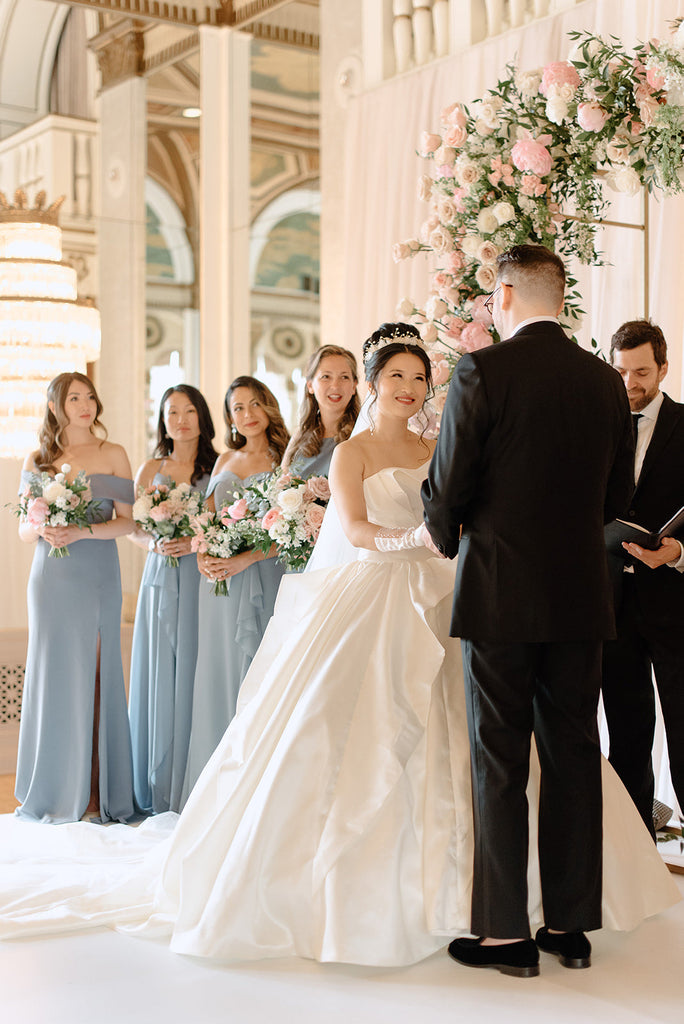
(398, 539)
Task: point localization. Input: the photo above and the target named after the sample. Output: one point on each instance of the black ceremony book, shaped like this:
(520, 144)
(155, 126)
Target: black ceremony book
(620, 530)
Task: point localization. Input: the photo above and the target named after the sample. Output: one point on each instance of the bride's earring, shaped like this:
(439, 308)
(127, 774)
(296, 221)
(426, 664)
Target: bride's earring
(233, 431)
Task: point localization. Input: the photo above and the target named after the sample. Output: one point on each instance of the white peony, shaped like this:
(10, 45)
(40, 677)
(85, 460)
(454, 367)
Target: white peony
(54, 491)
(624, 179)
(556, 110)
(528, 82)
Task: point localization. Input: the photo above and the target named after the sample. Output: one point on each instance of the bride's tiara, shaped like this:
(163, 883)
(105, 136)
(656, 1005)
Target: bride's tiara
(398, 338)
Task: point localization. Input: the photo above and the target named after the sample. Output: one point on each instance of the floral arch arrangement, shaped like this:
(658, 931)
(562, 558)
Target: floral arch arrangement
(527, 162)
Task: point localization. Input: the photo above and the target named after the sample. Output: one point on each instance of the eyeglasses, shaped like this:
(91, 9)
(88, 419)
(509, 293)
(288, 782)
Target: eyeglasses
(489, 301)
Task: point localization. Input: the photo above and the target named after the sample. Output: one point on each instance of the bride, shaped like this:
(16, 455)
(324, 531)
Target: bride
(334, 819)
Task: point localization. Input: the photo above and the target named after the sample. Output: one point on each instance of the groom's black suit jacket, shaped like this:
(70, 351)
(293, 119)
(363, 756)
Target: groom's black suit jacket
(535, 454)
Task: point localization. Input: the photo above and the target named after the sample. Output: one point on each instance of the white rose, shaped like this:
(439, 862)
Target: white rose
(291, 499)
(486, 277)
(405, 307)
(400, 251)
(484, 128)
(446, 208)
(54, 491)
(487, 252)
(428, 332)
(445, 155)
(556, 110)
(565, 92)
(487, 221)
(470, 245)
(424, 188)
(440, 239)
(503, 212)
(624, 179)
(435, 308)
(466, 170)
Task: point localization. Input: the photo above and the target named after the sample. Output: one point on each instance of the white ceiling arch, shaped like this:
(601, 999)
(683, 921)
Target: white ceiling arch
(29, 35)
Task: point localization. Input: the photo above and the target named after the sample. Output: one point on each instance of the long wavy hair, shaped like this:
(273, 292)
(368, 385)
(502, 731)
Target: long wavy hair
(206, 453)
(374, 360)
(50, 435)
(277, 433)
(308, 437)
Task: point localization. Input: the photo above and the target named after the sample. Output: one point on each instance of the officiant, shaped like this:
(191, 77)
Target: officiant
(649, 585)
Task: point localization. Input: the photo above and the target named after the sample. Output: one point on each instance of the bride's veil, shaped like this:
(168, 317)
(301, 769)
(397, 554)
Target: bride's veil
(332, 546)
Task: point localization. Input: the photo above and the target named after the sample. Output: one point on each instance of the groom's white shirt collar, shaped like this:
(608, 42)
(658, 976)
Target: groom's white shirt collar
(535, 320)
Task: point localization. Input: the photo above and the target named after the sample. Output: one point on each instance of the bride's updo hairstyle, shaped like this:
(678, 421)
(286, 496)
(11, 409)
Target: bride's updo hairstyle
(389, 340)
(50, 441)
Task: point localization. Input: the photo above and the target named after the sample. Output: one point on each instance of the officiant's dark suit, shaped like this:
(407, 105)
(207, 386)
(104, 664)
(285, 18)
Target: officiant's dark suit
(649, 601)
(534, 455)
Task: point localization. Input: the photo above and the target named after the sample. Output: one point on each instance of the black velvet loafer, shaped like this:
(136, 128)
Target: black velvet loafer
(521, 959)
(573, 949)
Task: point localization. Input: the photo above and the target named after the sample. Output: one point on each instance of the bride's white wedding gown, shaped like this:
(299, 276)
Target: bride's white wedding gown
(334, 819)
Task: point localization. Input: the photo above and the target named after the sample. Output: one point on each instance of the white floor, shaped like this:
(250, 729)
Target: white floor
(106, 978)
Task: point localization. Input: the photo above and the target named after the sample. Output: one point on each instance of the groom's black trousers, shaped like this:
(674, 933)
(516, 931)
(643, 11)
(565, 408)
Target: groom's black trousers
(551, 690)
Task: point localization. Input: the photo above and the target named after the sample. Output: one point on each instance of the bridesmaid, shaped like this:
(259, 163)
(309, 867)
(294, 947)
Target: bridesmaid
(165, 633)
(74, 744)
(231, 627)
(328, 411)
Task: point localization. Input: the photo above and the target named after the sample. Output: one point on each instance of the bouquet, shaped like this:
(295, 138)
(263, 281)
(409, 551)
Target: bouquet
(295, 515)
(167, 512)
(227, 532)
(54, 501)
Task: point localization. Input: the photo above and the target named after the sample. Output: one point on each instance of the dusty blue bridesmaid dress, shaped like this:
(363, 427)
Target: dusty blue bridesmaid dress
(163, 660)
(71, 602)
(314, 465)
(230, 631)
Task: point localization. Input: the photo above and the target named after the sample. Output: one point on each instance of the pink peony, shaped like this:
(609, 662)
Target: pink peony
(454, 326)
(37, 512)
(479, 313)
(239, 509)
(475, 336)
(591, 116)
(271, 517)
(558, 73)
(531, 154)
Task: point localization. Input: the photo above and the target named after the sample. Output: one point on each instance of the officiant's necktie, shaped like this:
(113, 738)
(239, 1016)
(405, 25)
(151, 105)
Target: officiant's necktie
(636, 416)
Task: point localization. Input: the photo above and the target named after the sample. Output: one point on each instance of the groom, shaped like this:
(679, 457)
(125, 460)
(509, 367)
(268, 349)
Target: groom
(535, 454)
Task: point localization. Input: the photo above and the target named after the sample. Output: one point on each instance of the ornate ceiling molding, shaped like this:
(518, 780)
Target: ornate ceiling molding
(120, 52)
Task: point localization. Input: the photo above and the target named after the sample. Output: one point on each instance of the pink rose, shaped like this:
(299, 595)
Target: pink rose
(454, 262)
(455, 136)
(558, 73)
(239, 509)
(474, 336)
(429, 142)
(479, 313)
(271, 517)
(530, 154)
(400, 251)
(74, 500)
(532, 186)
(454, 114)
(37, 512)
(591, 116)
(440, 372)
(313, 519)
(319, 487)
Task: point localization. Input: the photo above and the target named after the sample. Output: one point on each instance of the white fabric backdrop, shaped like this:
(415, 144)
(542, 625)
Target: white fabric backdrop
(382, 172)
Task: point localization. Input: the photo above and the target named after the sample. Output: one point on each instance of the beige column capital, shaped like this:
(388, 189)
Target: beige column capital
(120, 52)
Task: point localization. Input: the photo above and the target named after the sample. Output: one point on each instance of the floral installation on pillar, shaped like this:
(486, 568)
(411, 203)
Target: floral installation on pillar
(527, 163)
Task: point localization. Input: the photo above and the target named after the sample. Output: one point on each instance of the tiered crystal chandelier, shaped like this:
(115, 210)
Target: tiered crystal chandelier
(45, 329)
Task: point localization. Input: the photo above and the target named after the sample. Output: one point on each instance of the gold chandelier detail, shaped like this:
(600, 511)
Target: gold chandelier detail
(45, 329)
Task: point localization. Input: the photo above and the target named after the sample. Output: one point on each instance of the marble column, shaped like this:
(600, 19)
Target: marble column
(224, 213)
(120, 371)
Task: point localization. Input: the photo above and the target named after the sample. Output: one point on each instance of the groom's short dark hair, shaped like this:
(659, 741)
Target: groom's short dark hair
(533, 267)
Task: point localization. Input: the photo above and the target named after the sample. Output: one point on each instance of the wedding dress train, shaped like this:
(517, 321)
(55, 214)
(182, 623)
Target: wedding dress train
(334, 819)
